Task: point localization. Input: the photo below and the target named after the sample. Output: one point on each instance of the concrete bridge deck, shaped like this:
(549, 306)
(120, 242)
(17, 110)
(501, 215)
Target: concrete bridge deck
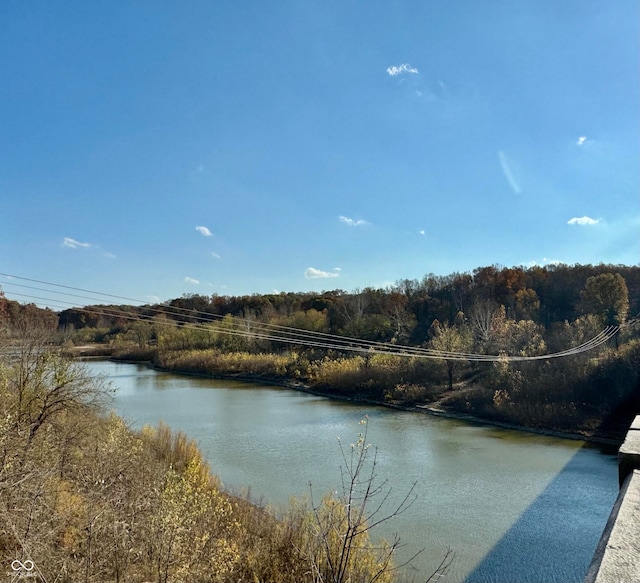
(617, 557)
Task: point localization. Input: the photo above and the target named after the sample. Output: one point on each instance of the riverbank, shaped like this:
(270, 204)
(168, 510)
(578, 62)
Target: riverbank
(430, 408)
(438, 412)
(436, 406)
(275, 443)
(425, 408)
(99, 500)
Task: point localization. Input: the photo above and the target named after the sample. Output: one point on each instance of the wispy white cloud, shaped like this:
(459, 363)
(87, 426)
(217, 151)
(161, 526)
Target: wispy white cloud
(215, 255)
(583, 221)
(508, 173)
(73, 244)
(313, 273)
(352, 222)
(191, 280)
(204, 231)
(400, 69)
(154, 299)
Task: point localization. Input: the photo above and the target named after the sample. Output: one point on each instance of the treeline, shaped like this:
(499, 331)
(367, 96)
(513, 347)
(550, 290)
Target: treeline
(402, 312)
(85, 498)
(522, 312)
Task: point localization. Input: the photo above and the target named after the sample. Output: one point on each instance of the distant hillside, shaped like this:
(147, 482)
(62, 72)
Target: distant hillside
(512, 312)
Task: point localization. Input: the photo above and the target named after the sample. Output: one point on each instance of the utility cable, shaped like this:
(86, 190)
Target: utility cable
(283, 334)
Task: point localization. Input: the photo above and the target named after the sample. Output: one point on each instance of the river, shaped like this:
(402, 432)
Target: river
(514, 507)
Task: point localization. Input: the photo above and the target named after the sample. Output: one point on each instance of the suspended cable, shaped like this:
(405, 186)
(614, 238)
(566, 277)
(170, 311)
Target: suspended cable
(278, 333)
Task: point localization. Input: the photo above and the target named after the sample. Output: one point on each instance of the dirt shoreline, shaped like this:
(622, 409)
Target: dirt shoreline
(424, 409)
(436, 412)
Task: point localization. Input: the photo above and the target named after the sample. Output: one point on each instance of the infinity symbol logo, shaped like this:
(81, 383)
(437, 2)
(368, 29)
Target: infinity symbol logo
(20, 566)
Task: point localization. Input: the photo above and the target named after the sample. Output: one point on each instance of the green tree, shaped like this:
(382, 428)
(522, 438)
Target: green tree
(311, 319)
(454, 339)
(527, 304)
(606, 295)
(521, 337)
(402, 321)
(375, 327)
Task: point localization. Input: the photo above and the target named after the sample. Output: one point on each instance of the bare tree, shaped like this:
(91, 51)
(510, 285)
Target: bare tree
(343, 523)
(481, 319)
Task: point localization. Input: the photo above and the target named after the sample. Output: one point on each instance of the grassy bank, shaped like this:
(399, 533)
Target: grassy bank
(86, 498)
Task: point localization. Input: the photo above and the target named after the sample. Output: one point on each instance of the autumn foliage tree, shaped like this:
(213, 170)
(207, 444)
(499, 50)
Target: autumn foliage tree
(607, 297)
(87, 499)
(516, 311)
(451, 339)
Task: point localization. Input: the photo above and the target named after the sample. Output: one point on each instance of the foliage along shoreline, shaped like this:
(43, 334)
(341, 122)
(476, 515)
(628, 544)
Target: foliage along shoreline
(86, 498)
(296, 385)
(83, 497)
(305, 337)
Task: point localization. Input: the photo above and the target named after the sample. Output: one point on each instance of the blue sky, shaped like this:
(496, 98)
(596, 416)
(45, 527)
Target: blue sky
(150, 149)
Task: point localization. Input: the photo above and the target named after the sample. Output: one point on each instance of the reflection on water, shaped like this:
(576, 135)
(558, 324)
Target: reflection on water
(513, 506)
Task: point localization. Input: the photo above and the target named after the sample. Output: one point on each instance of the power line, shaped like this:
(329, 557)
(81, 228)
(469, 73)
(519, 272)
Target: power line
(247, 328)
(70, 287)
(310, 338)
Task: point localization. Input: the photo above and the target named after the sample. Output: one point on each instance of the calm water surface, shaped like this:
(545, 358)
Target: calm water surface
(514, 507)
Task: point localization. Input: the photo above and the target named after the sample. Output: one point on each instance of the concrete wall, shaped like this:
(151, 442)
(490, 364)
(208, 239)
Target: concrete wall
(617, 557)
